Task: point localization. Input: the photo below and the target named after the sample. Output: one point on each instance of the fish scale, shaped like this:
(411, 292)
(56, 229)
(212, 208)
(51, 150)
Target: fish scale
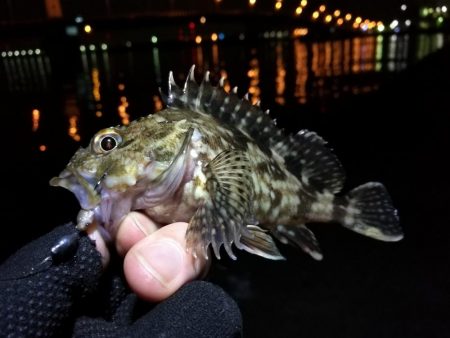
(220, 163)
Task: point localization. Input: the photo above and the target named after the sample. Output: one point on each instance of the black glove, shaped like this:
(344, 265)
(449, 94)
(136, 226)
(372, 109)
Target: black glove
(66, 293)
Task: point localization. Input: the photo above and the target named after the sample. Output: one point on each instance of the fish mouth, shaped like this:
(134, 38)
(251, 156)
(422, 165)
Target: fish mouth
(85, 187)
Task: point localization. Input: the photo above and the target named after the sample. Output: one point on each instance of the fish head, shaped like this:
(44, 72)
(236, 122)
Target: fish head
(118, 164)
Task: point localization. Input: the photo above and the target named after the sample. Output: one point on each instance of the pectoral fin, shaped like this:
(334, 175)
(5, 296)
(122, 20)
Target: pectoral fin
(260, 243)
(221, 220)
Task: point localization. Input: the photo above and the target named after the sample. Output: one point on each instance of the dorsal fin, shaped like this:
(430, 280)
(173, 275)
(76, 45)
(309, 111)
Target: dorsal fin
(307, 156)
(227, 107)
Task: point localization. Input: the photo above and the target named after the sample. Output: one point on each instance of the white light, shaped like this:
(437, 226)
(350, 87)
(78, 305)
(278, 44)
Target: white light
(23, 52)
(364, 27)
(4, 54)
(403, 7)
(30, 52)
(37, 51)
(393, 24)
(242, 36)
(92, 47)
(82, 48)
(444, 9)
(408, 23)
(380, 28)
(104, 46)
(16, 53)
(10, 53)
(154, 39)
(128, 44)
(79, 19)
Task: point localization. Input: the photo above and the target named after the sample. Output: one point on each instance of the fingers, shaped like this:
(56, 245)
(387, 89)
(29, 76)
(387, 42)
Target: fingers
(95, 235)
(159, 264)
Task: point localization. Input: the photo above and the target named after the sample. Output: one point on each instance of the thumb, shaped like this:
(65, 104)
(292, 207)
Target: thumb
(159, 264)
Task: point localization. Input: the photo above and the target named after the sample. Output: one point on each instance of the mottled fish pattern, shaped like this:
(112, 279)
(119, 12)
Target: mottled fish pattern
(220, 163)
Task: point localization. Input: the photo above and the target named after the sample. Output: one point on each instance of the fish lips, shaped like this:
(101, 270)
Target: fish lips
(83, 186)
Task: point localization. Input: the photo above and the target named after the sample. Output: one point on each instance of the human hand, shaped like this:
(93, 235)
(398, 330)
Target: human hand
(70, 297)
(156, 262)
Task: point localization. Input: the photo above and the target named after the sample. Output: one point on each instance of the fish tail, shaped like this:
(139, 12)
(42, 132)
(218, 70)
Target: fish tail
(368, 210)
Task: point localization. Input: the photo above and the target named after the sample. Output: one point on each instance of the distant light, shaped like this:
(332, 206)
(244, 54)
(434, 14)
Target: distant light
(340, 21)
(364, 26)
(444, 9)
(191, 25)
(440, 20)
(91, 47)
(154, 39)
(16, 53)
(79, 19)
(202, 20)
(424, 11)
(128, 44)
(10, 53)
(71, 30)
(42, 147)
(82, 48)
(355, 25)
(121, 86)
(266, 35)
(403, 7)
(23, 52)
(88, 29)
(358, 20)
(348, 17)
(214, 37)
(104, 46)
(303, 3)
(328, 18)
(278, 5)
(221, 36)
(300, 32)
(198, 39)
(407, 23)
(431, 10)
(315, 15)
(322, 8)
(37, 51)
(337, 12)
(242, 36)
(98, 113)
(251, 2)
(380, 28)
(4, 54)
(393, 24)
(298, 10)
(438, 10)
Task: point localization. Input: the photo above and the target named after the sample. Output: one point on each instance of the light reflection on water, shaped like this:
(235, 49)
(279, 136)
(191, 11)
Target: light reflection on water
(282, 72)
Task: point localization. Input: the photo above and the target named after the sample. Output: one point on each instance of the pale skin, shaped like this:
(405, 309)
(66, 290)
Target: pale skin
(156, 262)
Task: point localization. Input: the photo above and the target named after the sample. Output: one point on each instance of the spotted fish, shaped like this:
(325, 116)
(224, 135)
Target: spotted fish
(218, 162)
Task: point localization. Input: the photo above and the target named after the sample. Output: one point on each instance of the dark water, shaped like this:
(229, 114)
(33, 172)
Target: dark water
(381, 101)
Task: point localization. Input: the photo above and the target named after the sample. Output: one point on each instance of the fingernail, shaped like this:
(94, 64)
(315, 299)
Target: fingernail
(162, 260)
(138, 224)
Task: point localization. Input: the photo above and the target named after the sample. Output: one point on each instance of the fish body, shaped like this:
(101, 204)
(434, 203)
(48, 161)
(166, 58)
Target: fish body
(220, 163)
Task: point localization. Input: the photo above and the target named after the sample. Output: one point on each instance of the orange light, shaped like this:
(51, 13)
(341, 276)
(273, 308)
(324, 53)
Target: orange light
(278, 5)
(315, 15)
(355, 25)
(35, 117)
(358, 20)
(121, 86)
(348, 17)
(214, 37)
(322, 8)
(328, 18)
(42, 147)
(340, 21)
(337, 12)
(198, 39)
(303, 3)
(251, 2)
(298, 10)
(202, 20)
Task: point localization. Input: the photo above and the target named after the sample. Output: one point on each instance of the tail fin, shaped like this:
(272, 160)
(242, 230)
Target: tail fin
(368, 210)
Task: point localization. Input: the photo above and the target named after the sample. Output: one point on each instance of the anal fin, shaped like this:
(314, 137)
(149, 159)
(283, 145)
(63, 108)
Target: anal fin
(301, 236)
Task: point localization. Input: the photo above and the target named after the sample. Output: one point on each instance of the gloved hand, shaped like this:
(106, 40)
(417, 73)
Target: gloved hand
(70, 293)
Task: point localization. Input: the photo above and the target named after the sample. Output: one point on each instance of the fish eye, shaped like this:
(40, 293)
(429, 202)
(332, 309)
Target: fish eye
(105, 141)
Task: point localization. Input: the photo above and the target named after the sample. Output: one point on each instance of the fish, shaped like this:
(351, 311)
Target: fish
(217, 161)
